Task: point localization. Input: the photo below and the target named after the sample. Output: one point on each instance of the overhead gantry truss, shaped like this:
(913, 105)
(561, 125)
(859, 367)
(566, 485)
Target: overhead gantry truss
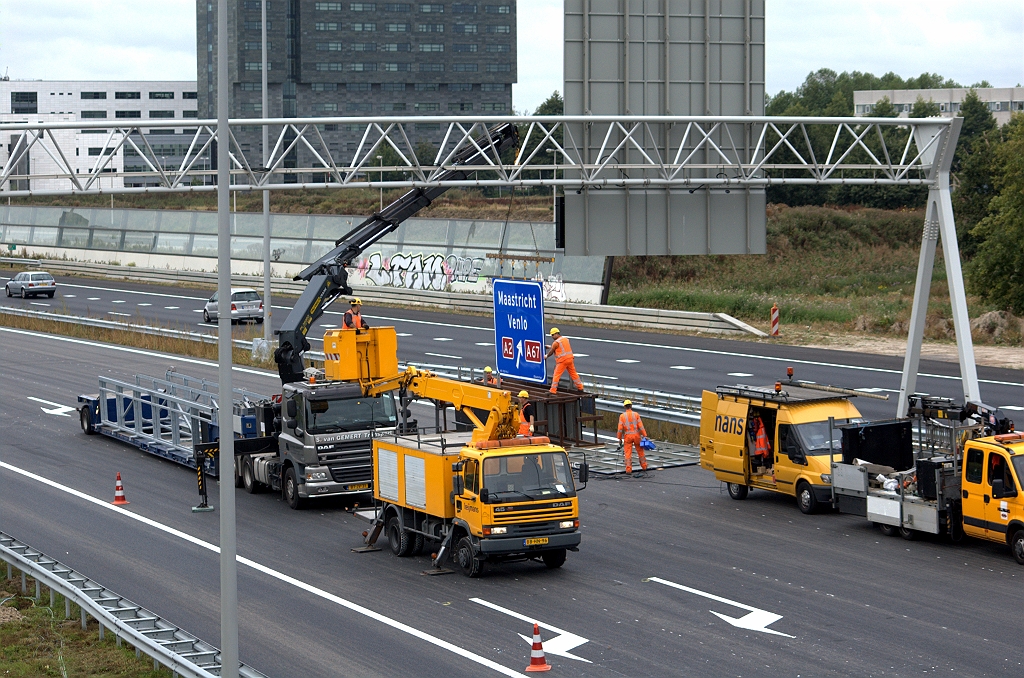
(569, 151)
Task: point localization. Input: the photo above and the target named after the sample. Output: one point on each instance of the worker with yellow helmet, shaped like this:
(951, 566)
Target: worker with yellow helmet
(490, 378)
(353, 316)
(527, 415)
(631, 429)
(564, 361)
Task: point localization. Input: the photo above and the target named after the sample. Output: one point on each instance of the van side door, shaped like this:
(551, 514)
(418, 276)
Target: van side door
(1003, 490)
(974, 492)
(732, 463)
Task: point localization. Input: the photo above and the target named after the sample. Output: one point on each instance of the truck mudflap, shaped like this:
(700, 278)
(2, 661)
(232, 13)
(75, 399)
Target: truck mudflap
(514, 545)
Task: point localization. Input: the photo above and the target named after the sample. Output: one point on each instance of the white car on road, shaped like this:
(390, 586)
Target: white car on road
(246, 304)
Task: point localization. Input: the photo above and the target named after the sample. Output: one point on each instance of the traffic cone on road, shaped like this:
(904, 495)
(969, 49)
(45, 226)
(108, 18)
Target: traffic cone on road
(537, 659)
(119, 499)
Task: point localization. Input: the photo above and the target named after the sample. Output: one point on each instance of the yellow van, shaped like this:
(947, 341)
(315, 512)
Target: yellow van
(794, 454)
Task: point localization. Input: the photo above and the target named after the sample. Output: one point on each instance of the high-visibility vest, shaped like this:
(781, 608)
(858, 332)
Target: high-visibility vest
(524, 424)
(630, 424)
(761, 448)
(491, 380)
(353, 319)
(562, 349)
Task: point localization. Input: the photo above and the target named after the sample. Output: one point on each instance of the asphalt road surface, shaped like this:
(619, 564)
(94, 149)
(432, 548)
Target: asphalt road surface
(673, 578)
(673, 363)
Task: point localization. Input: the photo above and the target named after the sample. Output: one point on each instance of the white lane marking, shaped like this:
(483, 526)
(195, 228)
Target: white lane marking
(442, 339)
(559, 645)
(118, 301)
(328, 325)
(587, 355)
(444, 355)
(38, 303)
(144, 304)
(276, 574)
(628, 361)
(58, 409)
(681, 367)
(740, 374)
(122, 291)
(876, 390)
(94, 298)
(171, 308)
(126, 315)
(1012, 408)
(208, 324)
(197, 310)
(67, 296)
(755, 620)
(138, 351)
(403, 334)
(484, 343)
(598, 376)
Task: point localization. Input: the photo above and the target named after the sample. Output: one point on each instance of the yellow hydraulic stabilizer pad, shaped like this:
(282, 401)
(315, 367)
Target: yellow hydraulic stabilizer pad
(361, 354)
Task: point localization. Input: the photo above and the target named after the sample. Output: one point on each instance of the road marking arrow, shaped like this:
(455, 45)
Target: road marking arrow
(755, 620)
(58, 409)
(559, 645)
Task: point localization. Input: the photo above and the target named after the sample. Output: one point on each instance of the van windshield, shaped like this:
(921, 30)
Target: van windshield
(528, 476)
(1018, 466)
(350, 414)
(814, 436)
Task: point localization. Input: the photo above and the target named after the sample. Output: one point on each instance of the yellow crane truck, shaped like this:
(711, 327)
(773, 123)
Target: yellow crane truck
(484, 495)
(799, 441)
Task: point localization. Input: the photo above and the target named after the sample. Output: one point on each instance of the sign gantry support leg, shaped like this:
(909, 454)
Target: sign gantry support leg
(939, 222)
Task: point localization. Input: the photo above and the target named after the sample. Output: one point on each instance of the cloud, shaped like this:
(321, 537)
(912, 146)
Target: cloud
(540, 28)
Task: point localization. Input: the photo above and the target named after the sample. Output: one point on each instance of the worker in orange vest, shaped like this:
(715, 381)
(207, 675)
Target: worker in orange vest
(630, 431)
(489, 378)
(527, 415)
(762, 449)
(563, 360)
(353, 316)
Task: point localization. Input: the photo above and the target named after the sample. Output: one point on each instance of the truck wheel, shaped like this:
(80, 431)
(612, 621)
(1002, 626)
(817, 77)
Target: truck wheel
(86, 420)
(553, 559)
(398, 538)
(418, 540)
(249, 479)
(1017, 546)
(909, 535)
(737, 491)
(887, 530)
(291, 490)
(805, 498)
(238, 472)
(470, 566)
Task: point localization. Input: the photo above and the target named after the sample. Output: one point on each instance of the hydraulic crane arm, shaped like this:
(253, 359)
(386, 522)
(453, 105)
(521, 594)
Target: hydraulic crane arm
(465, 396)
(328, 278)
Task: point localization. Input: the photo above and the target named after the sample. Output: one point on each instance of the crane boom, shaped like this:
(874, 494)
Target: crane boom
(327, 276)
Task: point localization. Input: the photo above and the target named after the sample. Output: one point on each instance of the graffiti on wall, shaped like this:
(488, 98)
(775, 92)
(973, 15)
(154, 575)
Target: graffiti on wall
(420, 271)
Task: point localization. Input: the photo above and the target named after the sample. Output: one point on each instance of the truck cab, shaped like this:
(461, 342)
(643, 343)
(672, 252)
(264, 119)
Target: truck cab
(775, 439)
(325, 442)
(993, 496)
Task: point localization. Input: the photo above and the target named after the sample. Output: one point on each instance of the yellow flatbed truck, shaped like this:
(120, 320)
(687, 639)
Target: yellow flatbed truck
(801, 442)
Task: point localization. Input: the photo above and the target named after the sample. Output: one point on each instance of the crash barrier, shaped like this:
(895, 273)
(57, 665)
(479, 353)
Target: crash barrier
(558, 311)
(168, 645)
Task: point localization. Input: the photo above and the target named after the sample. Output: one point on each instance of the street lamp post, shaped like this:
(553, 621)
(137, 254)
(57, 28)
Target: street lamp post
(380, 159)
(268, 331)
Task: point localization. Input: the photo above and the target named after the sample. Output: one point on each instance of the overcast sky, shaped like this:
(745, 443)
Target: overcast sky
(144, 40)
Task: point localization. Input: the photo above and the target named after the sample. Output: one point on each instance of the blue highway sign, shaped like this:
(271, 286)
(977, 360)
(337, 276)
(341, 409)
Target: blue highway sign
(519, 329)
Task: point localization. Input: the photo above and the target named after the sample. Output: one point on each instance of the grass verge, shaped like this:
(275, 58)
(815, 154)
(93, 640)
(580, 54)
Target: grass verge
(40, 642)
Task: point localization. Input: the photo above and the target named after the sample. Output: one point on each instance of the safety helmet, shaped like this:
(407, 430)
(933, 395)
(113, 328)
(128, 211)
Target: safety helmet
(356, 301)
(524, 394)
(627, 403)
(554, 331)
(488, 370)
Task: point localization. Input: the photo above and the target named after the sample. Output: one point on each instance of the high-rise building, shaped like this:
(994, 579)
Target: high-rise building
(331, 59)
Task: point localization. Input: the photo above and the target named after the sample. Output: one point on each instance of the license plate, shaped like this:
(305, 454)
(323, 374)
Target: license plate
(360, 486)
(535, 541)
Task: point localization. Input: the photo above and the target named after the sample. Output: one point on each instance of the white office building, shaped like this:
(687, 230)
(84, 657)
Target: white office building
(1002, 101)
(121, 102)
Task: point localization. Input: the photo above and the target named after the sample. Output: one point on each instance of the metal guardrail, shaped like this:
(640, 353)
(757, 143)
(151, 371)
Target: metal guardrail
(481, 303)
(167, 644)
(657, 405)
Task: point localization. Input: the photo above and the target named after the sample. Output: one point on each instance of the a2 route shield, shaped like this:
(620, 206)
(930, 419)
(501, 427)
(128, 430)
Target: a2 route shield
(519, 329)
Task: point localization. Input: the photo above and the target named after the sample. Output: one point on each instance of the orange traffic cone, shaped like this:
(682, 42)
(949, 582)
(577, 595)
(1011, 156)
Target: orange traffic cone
(119, 499)
(537, 660)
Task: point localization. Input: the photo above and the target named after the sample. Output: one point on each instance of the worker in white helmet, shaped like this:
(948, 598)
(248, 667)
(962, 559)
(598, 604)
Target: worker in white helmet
(353, 316)
(527, 415)
(631, 429)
